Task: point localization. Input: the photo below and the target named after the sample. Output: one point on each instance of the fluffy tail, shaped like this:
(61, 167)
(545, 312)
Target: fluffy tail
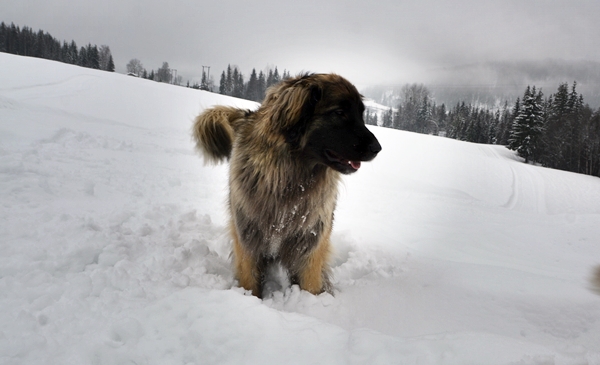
(214, 131)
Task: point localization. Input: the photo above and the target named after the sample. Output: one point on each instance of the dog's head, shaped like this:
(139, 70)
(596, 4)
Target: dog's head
(321, 116)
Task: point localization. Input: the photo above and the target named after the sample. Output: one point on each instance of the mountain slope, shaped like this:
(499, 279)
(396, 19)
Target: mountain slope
(115, 250)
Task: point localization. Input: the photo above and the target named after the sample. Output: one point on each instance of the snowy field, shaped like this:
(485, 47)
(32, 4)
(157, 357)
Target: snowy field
(114, 251)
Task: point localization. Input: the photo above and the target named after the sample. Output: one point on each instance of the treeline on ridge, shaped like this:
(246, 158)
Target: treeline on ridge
(27, 42)
(232, 83)
(559, 131)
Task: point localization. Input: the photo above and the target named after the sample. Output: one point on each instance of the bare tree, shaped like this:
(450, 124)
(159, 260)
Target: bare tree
(104, 57)
(135, 67)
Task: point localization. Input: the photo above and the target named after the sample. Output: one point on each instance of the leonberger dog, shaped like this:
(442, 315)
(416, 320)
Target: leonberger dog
(286, 160)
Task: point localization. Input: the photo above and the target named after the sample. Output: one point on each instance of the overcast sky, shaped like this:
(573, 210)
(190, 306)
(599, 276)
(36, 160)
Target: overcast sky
(369, 42)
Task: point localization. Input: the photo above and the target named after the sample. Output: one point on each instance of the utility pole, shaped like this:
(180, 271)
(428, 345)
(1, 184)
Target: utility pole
(207, 77)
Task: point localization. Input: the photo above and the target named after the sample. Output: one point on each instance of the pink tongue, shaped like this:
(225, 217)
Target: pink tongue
(355, 164)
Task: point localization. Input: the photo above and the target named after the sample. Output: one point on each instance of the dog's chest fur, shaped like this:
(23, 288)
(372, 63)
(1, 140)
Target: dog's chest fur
(280, 210)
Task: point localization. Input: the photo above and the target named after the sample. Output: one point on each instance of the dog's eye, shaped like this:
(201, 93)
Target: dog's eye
(339, 111)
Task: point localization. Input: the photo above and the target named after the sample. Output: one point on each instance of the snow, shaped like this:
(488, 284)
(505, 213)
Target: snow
(114, 247)
(373, 107)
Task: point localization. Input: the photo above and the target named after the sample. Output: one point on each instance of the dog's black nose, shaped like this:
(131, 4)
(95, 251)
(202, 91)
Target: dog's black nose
(375, 147)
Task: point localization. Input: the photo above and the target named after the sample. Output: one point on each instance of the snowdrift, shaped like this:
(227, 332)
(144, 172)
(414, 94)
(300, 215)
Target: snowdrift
(114, 245)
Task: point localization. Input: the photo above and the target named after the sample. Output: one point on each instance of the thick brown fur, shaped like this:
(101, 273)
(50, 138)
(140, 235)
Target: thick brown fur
(285, 163)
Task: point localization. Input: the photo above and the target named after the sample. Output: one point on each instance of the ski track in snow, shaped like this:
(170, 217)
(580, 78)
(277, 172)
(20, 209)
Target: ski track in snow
(115, 249)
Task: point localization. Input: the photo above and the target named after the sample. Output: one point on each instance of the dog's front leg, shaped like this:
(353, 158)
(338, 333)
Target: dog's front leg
(248, 270)
(314, 273)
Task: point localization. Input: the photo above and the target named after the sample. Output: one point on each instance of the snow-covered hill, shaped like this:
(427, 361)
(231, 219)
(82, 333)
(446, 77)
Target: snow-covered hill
(114, 247)
(374, 108)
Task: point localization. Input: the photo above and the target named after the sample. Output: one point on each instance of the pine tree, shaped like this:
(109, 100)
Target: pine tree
(367, 116)
(3, 37)
(270, 79)
(73, 54)
(204, 81)
(503, 128)
(493, 128)
(238, 83)
(387, 120)
(396, 118)
(262, 86)
(12, 39)
(223, 84)
(252, 92)
(82, 60)
(229, 81)
(441, 117)
(574, 131)
(93, 58)
(64, 51)
(527, 129)
(111, 64)
(423, 117)
(592, 156)
(276, 78)
(557, 153)
(413, 110)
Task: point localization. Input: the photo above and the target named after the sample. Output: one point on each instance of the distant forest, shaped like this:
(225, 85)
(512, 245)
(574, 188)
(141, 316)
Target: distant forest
(27, 42)
(164, 74)
(232, 83)
(559, 131)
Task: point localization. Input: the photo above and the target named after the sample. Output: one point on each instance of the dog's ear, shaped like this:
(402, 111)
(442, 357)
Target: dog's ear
(295, 107)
